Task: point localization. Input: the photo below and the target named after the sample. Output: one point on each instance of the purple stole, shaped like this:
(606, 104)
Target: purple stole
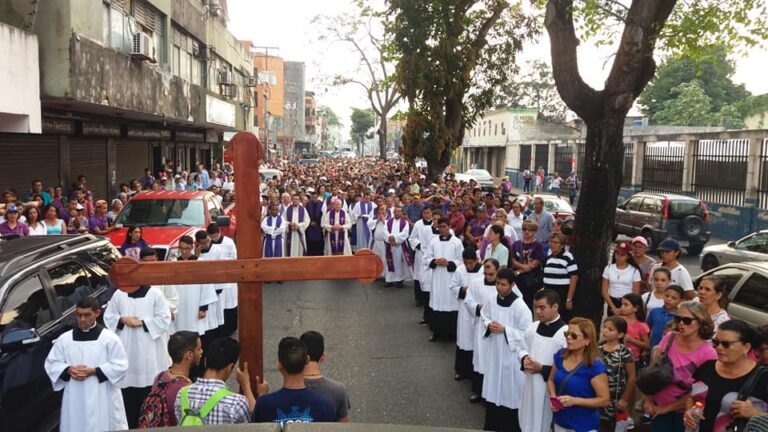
(337, 238)
(273, 246)
(289, 218)
(390, 255)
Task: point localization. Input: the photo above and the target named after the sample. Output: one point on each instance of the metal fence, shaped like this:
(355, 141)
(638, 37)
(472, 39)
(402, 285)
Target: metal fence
(663, 167)
(525, 157)
(720, 170)
(629, 155)
(563, 159)
(762, 187)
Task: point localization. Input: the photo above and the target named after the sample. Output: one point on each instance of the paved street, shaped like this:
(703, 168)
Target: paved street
(376, 347)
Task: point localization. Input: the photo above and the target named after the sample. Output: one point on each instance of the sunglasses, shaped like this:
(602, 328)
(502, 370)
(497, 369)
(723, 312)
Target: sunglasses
(528, 229)
(685, 320)
(571, 335)
(725, 344)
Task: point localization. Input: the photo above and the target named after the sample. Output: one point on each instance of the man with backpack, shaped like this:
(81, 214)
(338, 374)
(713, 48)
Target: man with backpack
(185, 349)
(208, 401)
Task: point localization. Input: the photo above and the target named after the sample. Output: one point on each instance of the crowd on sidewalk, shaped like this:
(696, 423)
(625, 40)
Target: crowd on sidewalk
(491, 272)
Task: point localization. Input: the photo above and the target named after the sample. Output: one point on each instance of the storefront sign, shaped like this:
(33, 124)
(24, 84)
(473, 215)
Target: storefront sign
(58, 126)
(101, 129)
(189, 136)
(219, 112)
(148, 133)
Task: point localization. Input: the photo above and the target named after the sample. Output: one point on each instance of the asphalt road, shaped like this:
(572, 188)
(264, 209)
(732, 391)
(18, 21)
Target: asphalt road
(375, 346)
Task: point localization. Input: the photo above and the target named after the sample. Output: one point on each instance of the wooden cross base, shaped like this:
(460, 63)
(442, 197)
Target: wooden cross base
(249, 270)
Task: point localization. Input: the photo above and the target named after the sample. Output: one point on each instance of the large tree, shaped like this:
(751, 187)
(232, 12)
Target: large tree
(691, 106)
(453, 55)
(534, 88)
(363, 30)
(643, 25)
(362, 123)
(712, 69)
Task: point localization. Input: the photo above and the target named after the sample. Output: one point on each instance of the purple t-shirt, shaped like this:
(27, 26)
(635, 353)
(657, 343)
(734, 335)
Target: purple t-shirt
(526, 252)
(21, 229)
(684, 365)
(99, 222)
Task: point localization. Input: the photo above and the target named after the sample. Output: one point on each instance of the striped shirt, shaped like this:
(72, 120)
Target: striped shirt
(558, 269)
(230, 410)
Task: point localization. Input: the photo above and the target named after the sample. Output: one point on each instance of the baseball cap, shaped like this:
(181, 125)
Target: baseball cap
(641, 240)
(12, 209)
(669, 244)
(79, 207)
(622, 248)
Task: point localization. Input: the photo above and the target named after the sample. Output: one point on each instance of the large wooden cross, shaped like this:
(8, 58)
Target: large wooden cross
(249, 270)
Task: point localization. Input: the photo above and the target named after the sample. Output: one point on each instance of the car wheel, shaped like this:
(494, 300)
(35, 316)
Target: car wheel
(692, 226)
(708, 262)
(648, 236)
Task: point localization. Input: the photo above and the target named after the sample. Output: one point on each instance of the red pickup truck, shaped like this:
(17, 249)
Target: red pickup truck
(167, 215)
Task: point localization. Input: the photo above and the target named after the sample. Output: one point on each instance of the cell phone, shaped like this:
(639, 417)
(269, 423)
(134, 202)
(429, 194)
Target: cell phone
(556, 403)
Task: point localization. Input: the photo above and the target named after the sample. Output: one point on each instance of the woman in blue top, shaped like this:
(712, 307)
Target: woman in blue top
(578, 384)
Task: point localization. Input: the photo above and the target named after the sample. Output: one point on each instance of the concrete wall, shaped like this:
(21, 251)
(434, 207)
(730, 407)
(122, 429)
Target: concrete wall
(19, 81)
(294, 95)
(189, 16)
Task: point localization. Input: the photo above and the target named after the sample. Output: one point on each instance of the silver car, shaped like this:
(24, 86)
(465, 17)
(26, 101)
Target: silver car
(753, 247)
(483, 177)
(747, 284)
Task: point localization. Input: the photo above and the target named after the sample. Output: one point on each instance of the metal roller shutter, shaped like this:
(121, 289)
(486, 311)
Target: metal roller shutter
(26, 159)
(132, 159)
(89, 158)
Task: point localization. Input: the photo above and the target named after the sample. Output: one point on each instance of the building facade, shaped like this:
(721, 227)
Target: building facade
(124, 86)
(293, 124)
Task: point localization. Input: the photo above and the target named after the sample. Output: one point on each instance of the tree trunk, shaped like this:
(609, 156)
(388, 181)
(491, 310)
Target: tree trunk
(382, 132)
(595, 214)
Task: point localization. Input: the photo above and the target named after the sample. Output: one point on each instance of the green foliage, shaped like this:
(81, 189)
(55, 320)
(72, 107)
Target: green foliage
(689, 105)
(333, 119)
(453, 54)
(362, 122)
(713, 71)
(534, 89)
(753, 105)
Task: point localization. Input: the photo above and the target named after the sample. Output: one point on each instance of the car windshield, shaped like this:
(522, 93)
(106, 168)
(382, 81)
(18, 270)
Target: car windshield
(480, 173)
(557, 206)
(681, 208)
(166, 212)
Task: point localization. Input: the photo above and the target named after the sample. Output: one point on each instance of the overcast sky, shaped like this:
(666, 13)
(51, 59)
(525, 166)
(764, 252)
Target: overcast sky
(286, 24)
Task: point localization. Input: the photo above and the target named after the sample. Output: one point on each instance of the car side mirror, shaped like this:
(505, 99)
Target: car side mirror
(223, 221)
(731, 244)
(18, 338)
(622, 206)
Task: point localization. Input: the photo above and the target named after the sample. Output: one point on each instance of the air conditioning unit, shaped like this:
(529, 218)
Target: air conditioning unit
(250, 81)
(228, 91)
(225, 78)
(142, 46)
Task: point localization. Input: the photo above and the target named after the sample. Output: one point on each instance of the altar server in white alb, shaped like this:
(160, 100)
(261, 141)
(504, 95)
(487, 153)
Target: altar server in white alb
(195, 300)
(421, 235)
(88, 363)
(205, 250)
(363, 212)
(297, 221)
(228, 290)
(142, 320)
(541, 341)
(443, 256)
(336, 224)
(478, 294)
(398, 257)
(470, 272)
(379, 236)
(505, 320)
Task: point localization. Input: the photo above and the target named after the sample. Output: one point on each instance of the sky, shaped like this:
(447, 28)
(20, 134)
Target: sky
(287, 24)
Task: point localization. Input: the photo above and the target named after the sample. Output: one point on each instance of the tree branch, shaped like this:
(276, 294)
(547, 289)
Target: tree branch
(488, 24)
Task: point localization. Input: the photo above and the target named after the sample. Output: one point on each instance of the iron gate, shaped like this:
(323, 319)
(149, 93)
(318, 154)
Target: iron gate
(663, 167)
(525, 158)
(563, 158)
(542, 157)
(629, 157)
(762, 187)
(720, 170)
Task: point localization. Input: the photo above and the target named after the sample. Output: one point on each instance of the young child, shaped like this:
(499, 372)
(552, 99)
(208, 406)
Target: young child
(633, 311)
(659, 317)
(620, 368)
(655, 299)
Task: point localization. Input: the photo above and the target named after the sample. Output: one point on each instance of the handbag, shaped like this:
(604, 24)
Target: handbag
(739, 424)
(655, 377)
(565, 380)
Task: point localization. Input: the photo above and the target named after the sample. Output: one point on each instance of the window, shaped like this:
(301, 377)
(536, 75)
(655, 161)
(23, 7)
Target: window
(27, 306)
(176, 61)
(730, 275)
(187, 60)
(752, 293)
(496, 129)
(633, 204)
(756, 243)
(651, 205)
(214, 210)
(105, 256)
(70, 283)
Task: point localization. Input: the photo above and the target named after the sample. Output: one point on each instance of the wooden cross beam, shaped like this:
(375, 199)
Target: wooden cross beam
(249, 270)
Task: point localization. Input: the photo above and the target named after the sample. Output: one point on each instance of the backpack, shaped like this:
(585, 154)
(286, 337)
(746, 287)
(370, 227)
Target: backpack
(154, 410)
(196, 417)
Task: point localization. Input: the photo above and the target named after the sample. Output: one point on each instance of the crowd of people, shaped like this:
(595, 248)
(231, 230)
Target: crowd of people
(490, 270)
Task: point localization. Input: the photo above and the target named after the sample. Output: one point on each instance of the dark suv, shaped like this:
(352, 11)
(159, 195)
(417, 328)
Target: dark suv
(657, 216)
(41, 279)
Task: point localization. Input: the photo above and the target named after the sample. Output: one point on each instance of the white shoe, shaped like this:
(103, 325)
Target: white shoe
(630, 424)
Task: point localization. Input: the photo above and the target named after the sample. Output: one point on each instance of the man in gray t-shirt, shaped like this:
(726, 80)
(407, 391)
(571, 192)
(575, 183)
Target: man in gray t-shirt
(335, 391)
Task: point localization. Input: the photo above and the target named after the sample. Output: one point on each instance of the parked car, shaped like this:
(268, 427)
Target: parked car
(747, 282)
(483, 178)
(267, 174)
(559, 207)
(657, 216)
(753, 247)
(41, 280)
(167, 215)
